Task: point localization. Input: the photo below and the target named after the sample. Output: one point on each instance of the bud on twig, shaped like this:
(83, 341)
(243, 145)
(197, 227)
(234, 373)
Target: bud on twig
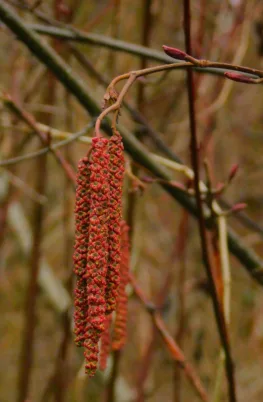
(178, 185)
(239, 77)
(233, 172)
(239, 207)
(174, 53)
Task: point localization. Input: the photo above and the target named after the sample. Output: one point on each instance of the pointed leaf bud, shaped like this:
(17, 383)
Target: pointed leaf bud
(233, 172)
(239, 77)
(174, 53)
(239, 207)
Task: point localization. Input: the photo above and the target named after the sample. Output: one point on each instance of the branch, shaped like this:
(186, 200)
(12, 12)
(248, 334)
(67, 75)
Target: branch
(219, 313)
(71, 138)
(30, 121)
(136, 50)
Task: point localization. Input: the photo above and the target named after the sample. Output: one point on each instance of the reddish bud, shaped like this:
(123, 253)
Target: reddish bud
(148, 179)
(233, 171)
(177, 185)
(174, 53)
(239, 207)
(239, 77)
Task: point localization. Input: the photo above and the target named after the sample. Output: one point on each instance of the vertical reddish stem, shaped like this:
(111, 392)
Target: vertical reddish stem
(201, 222)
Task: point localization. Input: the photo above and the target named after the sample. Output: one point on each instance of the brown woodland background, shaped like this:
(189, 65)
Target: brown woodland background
(37, 200)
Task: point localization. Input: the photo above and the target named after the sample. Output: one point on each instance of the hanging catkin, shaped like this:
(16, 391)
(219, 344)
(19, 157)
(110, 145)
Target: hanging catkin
(120, 328)
(82, 208)
(97, 246)
(116, 174)
(97, 254)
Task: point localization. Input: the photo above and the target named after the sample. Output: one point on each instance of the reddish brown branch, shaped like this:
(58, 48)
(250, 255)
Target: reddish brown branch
(201, 221)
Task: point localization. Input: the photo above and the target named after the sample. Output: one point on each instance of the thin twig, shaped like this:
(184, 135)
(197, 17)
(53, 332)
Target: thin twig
(137, 50)
(29, 119)
(172, 346)
(71, 138)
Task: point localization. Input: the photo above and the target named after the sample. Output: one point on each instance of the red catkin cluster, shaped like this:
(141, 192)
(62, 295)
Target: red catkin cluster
(97, 245)
(97, 253)
(81, 246)
(120, 328)
(116, 171)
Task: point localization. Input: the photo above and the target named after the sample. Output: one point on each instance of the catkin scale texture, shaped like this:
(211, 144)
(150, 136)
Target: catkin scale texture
(97, 253)
(82, 208)
(120, 328)
(116, 174)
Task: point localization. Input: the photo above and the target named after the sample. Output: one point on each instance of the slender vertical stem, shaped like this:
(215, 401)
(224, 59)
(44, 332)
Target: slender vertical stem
(28, 338)
(61, 365)
(110, 391)
(201, 222)
(145, 365)
(146, 31)
(181, 256)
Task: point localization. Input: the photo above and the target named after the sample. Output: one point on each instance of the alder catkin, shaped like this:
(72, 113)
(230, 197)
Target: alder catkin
(116, 175)
(120, 328)
(80, 249)
(97, 254)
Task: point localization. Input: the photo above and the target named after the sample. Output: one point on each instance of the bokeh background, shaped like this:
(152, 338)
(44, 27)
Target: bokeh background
(164, 239)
